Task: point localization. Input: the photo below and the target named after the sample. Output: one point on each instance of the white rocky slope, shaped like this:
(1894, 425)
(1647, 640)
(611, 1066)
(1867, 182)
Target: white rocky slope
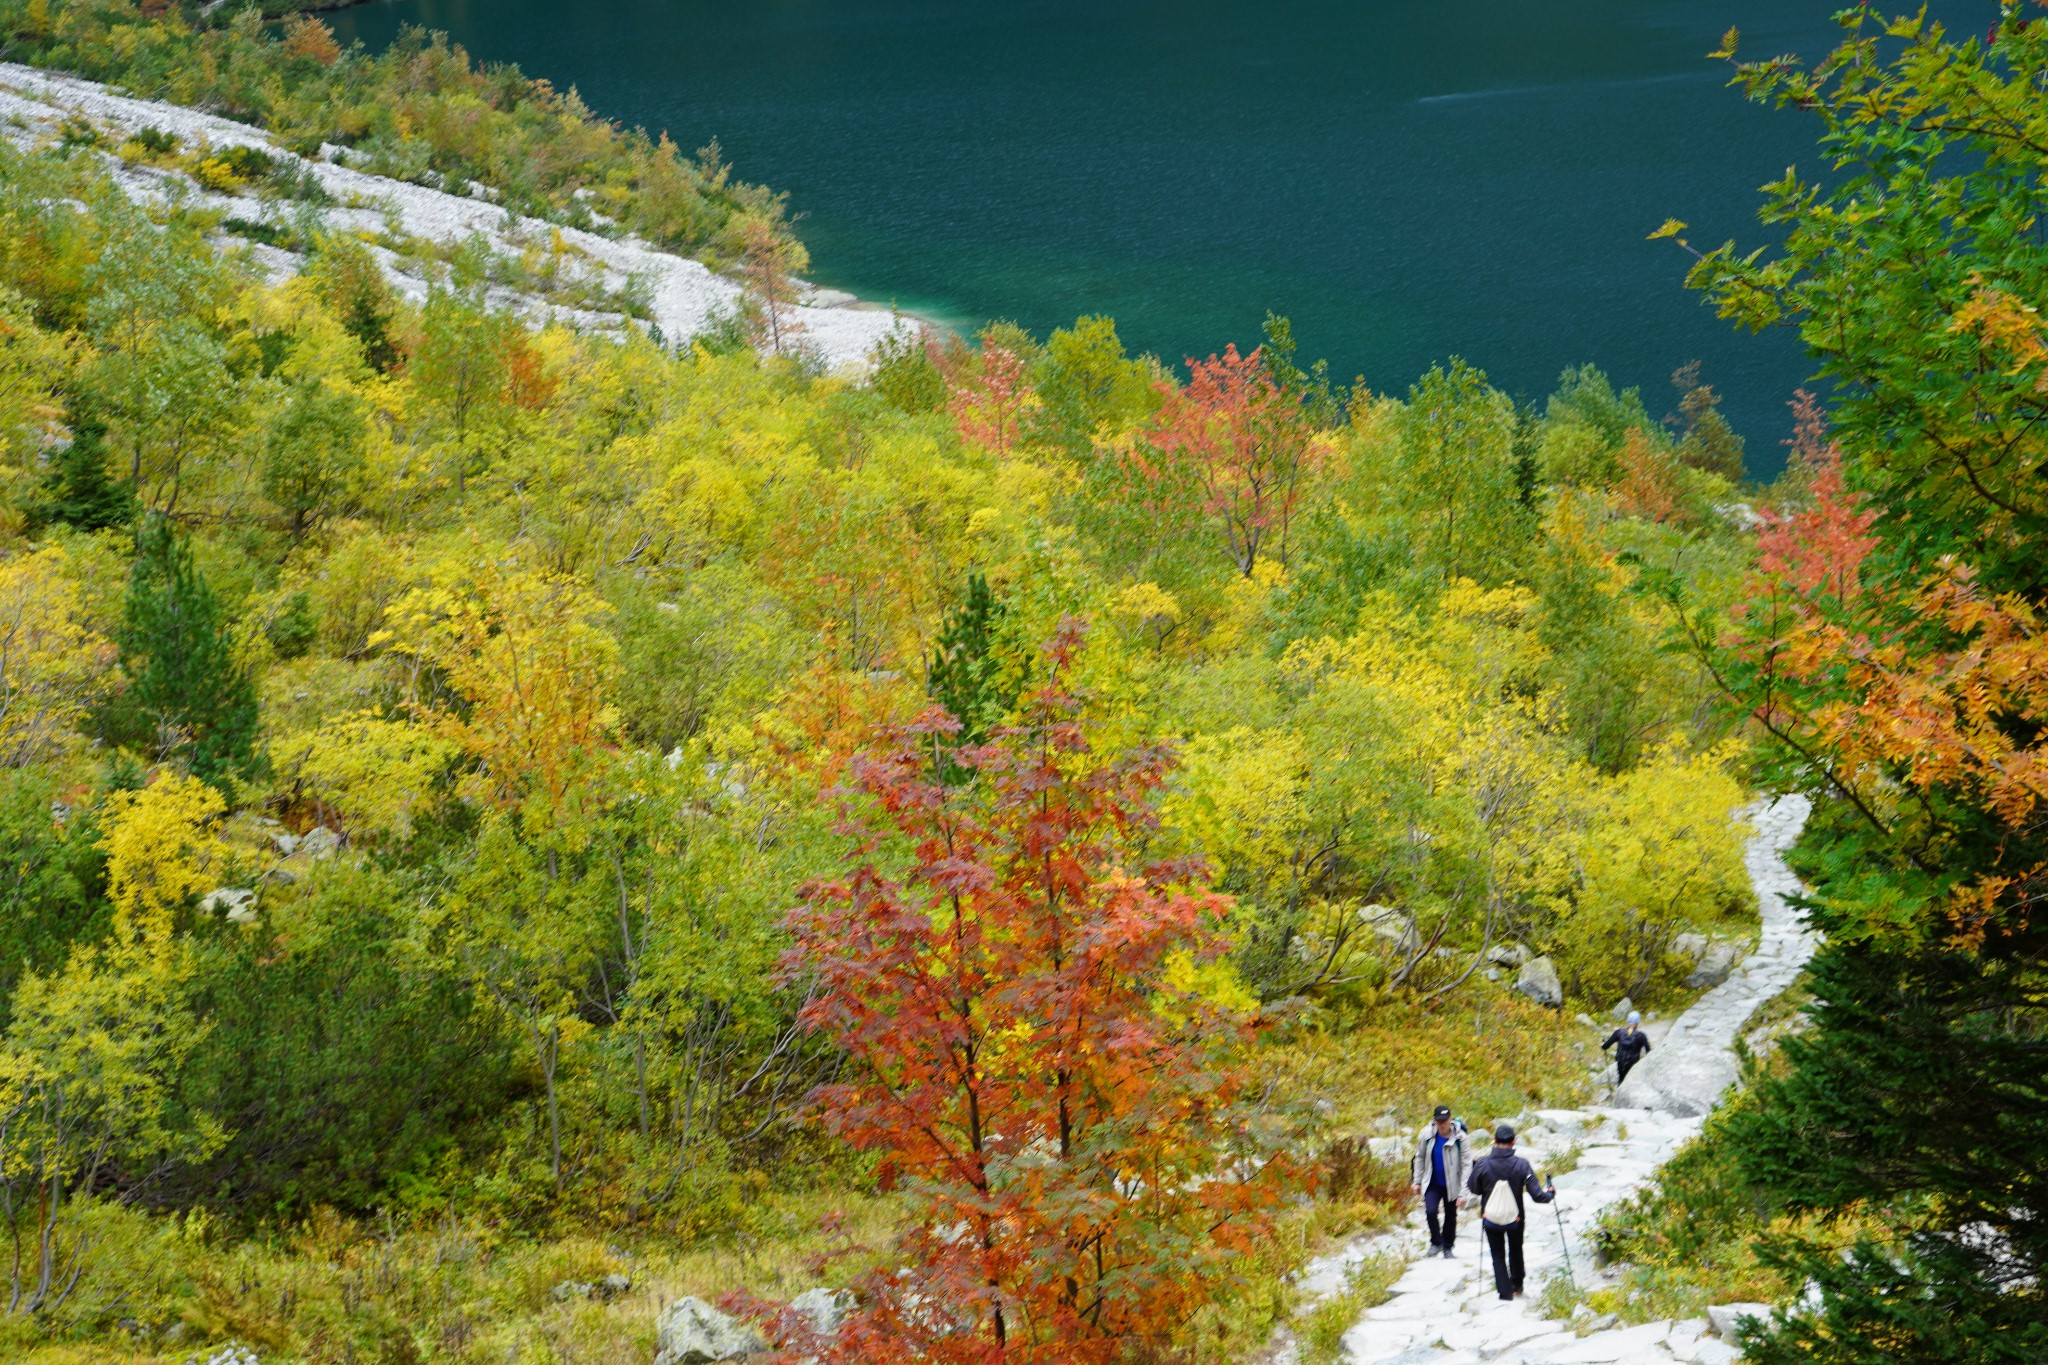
(1446, 1312)
(683, 295)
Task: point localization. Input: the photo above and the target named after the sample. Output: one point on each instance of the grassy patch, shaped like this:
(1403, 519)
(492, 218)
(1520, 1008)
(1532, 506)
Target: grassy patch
(1485, 1055)
(1564, 1160)
(332, 1289)
(1781, 1009)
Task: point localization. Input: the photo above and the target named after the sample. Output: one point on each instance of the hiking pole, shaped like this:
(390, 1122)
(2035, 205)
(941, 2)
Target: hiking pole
(1564, 1243)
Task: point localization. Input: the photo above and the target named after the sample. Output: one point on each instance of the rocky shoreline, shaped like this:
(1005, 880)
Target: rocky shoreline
(410, 226)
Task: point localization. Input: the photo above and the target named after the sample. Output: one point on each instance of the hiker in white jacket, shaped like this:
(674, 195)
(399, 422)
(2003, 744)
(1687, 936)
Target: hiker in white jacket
(1438, 1175)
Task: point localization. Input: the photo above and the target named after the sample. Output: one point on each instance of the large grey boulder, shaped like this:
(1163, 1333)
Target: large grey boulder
(823, 1309)
(1722, 1318)
(1507, 954)
(237, 903)
(1538, 980)
(1619, 1014)
(1713, 966)
(1688, 1081)
(692, 1332)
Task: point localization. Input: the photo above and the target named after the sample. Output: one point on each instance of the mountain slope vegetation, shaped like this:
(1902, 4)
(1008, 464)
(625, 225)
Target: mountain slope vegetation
(441, 755)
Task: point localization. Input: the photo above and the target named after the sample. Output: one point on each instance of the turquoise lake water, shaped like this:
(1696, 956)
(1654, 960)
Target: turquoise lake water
(1407, 179)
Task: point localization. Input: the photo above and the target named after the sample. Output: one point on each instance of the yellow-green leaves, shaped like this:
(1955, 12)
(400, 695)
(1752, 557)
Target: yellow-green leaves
(531, 672)
(162, 849)
(1659, 853)
(377, 773)
(53, 663)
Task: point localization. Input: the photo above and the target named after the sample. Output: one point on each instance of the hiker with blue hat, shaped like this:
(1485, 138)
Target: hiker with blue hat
(1630, 1044)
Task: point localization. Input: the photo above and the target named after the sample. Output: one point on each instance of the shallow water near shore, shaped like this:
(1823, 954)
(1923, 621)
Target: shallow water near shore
(1408, 180)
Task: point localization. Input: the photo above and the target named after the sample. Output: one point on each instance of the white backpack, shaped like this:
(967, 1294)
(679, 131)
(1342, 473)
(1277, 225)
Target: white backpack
(1500, 1208)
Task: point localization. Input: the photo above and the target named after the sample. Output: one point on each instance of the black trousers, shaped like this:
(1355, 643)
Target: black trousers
(1506, 1246)
(1624, 1065)
(1438, 1201)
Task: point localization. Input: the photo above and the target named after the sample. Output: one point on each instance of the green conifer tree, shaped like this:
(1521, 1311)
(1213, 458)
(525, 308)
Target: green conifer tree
(78, 491)
(188, 699)
(971, 674)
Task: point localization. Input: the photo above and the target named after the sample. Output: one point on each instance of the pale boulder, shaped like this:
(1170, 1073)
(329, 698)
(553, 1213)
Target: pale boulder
(237, 903)
(823, 1309)
(1538, 980)
(1507, 954)
(692, 1332)
(1722, 1318)
(1713, 966)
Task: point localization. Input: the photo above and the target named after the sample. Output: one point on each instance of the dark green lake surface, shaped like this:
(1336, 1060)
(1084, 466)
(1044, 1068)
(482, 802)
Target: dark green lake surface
(1407, 179)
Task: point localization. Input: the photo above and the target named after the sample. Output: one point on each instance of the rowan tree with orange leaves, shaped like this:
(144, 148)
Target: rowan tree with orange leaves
(1894, 648)
(990, 393)
(1237, 435)
(1042, 1045)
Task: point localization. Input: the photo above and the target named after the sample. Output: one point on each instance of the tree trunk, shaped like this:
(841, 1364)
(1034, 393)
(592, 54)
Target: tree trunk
(550, 1056)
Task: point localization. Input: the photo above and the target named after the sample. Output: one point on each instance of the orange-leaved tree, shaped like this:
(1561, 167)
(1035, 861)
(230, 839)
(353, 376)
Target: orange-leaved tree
(990, 393)
(1045, 1048)
(1889, 686)
(1236, 433)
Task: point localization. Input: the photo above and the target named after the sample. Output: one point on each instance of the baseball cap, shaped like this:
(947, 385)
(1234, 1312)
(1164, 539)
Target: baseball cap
(1503, 1134)
(1443, 1111)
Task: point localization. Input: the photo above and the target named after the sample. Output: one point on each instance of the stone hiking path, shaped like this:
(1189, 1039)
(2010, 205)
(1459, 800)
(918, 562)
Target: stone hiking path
(1446, 1312)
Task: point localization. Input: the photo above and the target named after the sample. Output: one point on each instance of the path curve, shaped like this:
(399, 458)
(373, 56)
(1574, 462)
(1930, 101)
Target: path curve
(1445, 1312)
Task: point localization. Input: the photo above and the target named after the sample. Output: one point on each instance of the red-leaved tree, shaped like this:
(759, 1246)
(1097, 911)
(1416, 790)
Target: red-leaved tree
(990, 394)
(1246, 443)
(1017, 989)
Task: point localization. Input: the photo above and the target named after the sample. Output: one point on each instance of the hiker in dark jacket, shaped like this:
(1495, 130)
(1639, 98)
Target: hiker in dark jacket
(1501, 1166)
(1630, 1044)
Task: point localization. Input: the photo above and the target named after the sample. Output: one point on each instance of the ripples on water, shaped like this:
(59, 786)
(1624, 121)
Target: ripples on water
(1407, 179)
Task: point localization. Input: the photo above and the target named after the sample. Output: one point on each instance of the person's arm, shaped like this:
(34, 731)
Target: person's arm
(1536, 1192)
(1472, 1180)
(1612, 1039)
(1646, 1044)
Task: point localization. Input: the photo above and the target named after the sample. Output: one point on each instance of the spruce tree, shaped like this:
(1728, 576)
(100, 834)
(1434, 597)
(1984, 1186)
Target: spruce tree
(78, 491)
(970, 674)
(188, 700)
